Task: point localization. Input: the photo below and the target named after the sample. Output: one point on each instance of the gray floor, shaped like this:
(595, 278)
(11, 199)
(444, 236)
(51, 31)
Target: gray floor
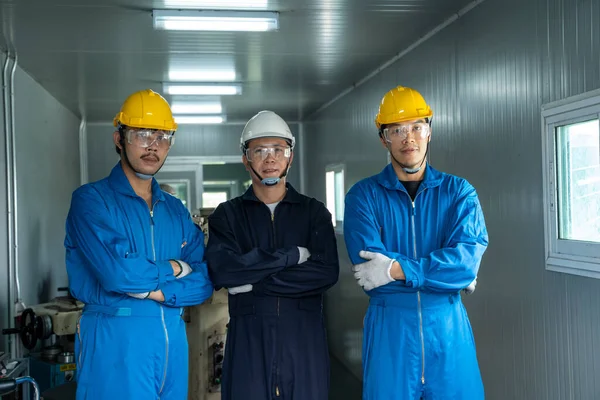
(344, 385)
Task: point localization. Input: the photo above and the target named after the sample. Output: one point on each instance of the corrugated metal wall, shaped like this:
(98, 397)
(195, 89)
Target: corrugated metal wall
(486, 77)
(191, 140)
(101, 154)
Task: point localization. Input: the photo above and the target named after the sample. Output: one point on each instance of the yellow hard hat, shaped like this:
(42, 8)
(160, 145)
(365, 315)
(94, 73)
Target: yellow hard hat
(146, 109)
(402, 104)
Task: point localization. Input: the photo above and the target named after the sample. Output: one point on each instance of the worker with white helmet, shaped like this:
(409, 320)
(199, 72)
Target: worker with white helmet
(416, 237)
(135, 259)
(275, 251)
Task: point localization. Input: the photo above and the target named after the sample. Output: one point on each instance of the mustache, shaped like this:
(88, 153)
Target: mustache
(150, 156)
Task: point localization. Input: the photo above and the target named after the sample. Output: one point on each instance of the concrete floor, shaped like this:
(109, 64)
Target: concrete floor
(344, 385)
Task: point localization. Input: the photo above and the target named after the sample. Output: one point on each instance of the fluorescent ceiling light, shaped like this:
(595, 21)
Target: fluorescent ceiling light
(199, 119)
(216, 4)
(196, 108)
(204, 20)
(208, 75)
(206, 89)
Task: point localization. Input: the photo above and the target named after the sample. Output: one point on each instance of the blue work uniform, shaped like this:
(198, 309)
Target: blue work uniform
(417, 339)
(276, 342)
(127, 348)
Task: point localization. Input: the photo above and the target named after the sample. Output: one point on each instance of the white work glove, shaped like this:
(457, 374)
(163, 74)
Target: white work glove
(185, 269)
(304, 254)
(240, 289)
(471, 288)
(375, 272)
(140, 296)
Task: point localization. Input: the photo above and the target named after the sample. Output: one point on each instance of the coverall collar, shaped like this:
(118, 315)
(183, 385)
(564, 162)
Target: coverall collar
(291, 196)
(388, 178)
(118, 180)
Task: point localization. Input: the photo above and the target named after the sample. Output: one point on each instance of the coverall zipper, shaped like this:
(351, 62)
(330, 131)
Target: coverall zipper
(162, 311)
(273, 226)
(277, 392)
(420, 311)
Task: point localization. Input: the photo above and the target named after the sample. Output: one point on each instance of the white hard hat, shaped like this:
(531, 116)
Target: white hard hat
(266, 124)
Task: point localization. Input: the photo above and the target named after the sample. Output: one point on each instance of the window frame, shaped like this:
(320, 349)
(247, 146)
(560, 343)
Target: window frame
(337, 168)
(565, 255)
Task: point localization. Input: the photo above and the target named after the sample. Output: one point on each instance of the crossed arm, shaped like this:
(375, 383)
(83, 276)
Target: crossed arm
(451, 268)
(104, 248)
(277, 272)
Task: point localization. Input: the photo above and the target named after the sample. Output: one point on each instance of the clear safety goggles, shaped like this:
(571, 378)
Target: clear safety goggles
(148, 137)
(261, 153)
(399, 132)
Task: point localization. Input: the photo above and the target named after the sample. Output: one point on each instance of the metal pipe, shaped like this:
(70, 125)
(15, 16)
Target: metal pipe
(18, 305)
(36, 388)
(14, 177)
(9, 197)
(83, 155)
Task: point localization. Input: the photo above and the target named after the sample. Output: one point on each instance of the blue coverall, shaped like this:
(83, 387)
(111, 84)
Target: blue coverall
(417, 339)
(127, 348)
(276, 342)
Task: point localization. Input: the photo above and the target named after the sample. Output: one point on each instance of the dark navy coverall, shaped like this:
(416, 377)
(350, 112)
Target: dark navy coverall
(276, 342)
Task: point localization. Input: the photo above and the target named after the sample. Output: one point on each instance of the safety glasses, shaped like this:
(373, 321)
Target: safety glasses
(261, 153)
(400, 132)
(149, 137)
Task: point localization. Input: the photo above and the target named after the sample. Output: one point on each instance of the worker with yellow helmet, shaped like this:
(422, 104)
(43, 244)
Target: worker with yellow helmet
(135, 259)
(416, 237)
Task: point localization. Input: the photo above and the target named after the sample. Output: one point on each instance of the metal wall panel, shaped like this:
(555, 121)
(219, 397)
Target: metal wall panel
(101, 153)
(4, 274)
(486, 77)
(47, 159)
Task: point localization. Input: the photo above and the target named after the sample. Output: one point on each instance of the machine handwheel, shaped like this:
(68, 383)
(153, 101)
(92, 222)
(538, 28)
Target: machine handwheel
(29, 328)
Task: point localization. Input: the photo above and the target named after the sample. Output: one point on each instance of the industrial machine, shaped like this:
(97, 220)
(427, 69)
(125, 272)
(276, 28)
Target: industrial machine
(206, 332)
(48, 331)
(10, 371)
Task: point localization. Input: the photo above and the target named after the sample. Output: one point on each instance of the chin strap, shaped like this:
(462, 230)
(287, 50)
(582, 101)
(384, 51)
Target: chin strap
(137, 173)
(413, 170)
(271, 181)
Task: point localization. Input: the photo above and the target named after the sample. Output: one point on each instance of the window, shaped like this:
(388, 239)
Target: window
(179, 188)
(213, 199)
(572, 185)
(335, 192)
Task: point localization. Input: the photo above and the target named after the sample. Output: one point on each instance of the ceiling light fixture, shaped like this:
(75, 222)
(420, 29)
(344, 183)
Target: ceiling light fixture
(206, 20)
(217, 4)
(184, 107)
(202, 75)
(199, 119)
(204, 89)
